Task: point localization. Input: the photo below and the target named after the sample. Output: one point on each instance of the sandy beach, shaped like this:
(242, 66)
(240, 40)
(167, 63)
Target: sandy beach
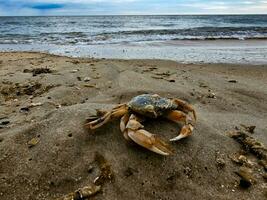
(46, 153)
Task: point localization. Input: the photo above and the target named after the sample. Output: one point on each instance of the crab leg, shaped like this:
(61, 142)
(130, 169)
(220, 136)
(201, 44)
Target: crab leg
(114, 113)
(123, 124)
(178, 116)
(185, 107)
(134, 130)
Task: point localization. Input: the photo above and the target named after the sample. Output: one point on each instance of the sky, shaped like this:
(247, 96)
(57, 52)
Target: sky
(130, 7)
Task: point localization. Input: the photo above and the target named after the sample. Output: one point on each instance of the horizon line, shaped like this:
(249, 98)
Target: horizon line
(95, 15)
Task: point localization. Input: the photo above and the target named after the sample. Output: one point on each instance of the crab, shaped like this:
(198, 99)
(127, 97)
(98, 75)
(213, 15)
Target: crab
(143, 106)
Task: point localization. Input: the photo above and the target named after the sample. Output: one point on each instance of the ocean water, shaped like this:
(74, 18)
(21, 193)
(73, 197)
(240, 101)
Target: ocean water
(187, 39)
(91, 30)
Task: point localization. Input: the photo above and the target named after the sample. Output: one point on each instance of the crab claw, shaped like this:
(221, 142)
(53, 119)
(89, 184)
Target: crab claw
(150, 141)
(185, 132)
(179, 116)
(134, 130)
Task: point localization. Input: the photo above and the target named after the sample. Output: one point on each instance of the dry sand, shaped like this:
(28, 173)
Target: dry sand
(46, 153)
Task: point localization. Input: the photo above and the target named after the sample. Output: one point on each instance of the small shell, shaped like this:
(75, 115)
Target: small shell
(82, 193)
(89, 191)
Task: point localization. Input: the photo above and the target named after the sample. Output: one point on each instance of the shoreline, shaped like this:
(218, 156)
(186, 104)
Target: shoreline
(185, 51)
(227, 65)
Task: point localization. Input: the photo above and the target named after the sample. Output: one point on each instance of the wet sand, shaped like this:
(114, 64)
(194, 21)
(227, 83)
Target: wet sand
(46, 153)
(253, 52)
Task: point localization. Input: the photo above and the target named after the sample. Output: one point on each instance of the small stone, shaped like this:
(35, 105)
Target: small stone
(171, 80)
(79, 78)
(74, 70)
(86, 79)
(232, 81)
(33, 142)
(211, 95)
(25, 109)
(36, 104)
(4, 122)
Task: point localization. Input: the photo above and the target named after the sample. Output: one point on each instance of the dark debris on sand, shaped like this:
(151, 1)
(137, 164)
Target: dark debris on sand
(11, 91)
(105, 170)
(250, 145)
(38, 71)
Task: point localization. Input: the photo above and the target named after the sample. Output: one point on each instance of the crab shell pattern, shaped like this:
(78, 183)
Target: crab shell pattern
(151, 106)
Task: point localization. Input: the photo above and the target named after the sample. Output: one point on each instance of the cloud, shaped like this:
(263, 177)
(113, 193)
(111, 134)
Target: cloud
(109, 7)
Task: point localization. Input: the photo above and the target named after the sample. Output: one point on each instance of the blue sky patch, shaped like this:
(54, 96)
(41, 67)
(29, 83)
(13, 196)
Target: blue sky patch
(47, 6)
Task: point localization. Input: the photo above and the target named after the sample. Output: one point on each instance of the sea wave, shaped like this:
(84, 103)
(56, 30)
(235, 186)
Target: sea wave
(195, 31)
(70, 34)
(223, 38)
(94, 30)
